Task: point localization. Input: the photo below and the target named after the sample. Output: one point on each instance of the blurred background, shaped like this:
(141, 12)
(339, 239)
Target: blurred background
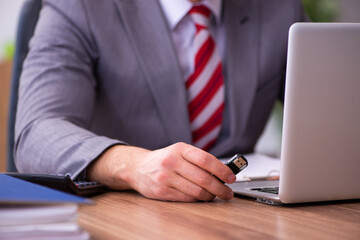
(317, 10)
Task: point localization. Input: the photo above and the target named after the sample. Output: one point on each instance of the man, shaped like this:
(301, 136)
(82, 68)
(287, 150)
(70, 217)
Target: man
(105, 92)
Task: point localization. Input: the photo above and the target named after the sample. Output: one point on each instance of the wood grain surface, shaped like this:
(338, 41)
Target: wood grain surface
(128, 215)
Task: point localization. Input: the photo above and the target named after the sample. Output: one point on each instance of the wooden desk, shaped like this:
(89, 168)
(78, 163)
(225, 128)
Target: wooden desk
(127, 215)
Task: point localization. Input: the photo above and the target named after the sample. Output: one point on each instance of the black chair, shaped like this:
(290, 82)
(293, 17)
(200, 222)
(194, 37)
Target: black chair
(28, 17)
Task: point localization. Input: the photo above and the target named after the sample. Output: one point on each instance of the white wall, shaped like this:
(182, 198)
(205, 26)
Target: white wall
(9, 11)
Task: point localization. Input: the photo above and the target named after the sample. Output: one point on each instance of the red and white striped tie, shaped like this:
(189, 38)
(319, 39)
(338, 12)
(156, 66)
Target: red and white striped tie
(205, 85)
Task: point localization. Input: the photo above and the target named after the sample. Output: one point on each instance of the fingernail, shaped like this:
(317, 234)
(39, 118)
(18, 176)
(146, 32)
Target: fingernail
(232, 178)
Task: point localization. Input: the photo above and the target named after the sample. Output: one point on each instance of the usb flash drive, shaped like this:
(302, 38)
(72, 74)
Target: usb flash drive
(237, 163)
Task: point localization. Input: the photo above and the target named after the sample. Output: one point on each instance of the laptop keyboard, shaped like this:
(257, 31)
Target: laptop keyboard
(273, 190)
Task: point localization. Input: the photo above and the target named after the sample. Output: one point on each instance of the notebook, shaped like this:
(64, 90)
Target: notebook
(31, 211)
(16, 191)
(320, 155)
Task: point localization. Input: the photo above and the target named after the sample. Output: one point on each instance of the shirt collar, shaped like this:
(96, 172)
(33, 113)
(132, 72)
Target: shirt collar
(175, 10)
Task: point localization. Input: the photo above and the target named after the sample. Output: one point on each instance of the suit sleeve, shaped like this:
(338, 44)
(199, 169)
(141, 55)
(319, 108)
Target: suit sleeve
(57, 94)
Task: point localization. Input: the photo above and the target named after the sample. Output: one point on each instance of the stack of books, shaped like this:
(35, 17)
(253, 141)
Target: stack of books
(30, 211)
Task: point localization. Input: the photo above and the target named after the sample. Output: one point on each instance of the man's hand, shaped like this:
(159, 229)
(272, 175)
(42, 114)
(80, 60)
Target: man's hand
(179, 172)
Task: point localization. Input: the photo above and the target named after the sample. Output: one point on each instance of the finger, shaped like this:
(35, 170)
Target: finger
(209, 163)
(189, 188)
(175, 195)
(167, 193)
(204, 180)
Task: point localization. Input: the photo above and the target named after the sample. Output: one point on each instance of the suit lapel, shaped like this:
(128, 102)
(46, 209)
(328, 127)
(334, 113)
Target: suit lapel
(151, 40)
(241, 63)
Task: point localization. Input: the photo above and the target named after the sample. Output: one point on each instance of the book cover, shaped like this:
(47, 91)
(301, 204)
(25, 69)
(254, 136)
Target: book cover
(16, 191)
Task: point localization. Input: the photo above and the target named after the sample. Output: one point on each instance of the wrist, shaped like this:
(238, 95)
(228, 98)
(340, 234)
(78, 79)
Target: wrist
(115, 167)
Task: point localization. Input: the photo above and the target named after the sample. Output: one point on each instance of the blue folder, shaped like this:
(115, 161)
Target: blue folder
(16, 191)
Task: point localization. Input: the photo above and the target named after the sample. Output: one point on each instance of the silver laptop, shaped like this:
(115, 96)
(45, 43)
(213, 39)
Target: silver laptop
(320, 155)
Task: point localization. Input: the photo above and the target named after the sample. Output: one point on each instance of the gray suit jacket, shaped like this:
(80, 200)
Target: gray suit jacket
(101, 73)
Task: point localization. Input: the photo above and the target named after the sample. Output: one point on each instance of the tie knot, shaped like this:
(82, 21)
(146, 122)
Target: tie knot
(200, 14)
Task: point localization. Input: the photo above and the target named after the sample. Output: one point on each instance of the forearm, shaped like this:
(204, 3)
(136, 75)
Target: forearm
(57, 146)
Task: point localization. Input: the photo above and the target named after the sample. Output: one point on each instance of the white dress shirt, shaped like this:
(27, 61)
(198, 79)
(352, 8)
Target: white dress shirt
(183, 29)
